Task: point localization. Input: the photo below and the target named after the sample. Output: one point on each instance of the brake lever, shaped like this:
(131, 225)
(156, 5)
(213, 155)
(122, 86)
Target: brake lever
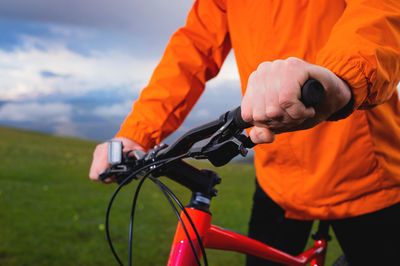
(116, 171)
(120, 171)
(222, 153)
(225, 144)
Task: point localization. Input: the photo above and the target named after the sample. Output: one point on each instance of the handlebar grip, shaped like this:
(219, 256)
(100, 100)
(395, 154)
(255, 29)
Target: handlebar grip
(312, 93)
(238, 120)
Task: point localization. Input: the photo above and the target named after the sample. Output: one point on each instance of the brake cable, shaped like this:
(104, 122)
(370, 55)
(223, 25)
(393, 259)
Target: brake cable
(168, 194)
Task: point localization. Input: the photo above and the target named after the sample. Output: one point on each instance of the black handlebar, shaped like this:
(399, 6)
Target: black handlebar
(312, 93)
(225, 135)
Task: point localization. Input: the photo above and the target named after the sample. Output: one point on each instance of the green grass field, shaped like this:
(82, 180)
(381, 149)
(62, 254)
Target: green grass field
(51, 214)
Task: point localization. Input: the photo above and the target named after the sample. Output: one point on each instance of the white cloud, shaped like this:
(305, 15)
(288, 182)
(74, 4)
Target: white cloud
(44, 66)
(228, 74)
(36, 112)
(112, 111)
(31, 72)
(203, 113)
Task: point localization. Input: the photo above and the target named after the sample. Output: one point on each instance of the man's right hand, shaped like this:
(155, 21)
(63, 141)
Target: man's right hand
(272, 99)
(100, 157)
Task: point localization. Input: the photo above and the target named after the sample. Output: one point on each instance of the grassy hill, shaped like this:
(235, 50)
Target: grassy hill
(51, 214)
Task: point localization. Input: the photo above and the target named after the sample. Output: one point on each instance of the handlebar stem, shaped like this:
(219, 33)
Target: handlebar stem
(201, 181)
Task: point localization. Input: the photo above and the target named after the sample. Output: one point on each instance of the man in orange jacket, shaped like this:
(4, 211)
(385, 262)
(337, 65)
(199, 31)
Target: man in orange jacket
(338, 162)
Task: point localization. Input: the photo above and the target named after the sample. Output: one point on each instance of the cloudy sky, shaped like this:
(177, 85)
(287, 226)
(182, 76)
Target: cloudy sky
(73, 68)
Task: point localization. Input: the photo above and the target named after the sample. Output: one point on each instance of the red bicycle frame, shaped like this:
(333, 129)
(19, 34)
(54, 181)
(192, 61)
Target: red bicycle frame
(214, 237)
(225, 141)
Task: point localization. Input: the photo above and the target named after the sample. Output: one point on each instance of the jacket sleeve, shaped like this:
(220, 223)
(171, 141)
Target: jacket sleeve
(193, 55)
(364, 50)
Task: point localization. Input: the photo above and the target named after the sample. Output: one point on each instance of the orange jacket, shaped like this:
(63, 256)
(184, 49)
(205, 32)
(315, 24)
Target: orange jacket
(335, 170)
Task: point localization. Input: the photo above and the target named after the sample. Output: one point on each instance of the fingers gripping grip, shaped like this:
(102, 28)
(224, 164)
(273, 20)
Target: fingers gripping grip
(312, 93)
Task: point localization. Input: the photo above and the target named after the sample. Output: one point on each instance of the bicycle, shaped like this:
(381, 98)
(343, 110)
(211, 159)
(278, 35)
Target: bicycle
(195, 232)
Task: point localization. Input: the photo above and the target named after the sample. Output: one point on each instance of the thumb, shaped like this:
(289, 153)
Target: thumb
(261, 135)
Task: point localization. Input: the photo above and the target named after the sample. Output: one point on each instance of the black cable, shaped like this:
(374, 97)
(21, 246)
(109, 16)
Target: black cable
(190, 221)
(180, 220)
(177, 201)
(107, 227)
(164, 162)
(125, 181)
(167, 193)
(132, 215)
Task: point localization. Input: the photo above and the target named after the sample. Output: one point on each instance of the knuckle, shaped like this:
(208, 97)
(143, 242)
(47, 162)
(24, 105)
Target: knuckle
(251, 79)
(98, 148)
(259, 117)
(264, 66)
(101, 149)
(294, 63)
(273, 113)
(285, 102)
(252, 75)
(246, 115)
(297, 115)
(296, 112)
(293, 60)
(277, 63)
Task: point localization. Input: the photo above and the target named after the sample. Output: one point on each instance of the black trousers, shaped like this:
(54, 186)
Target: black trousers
(370, 239)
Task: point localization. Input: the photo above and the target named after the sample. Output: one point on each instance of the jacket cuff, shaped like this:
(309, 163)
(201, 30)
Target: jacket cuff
(347, 110)
(354, 73)
(138, 133)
